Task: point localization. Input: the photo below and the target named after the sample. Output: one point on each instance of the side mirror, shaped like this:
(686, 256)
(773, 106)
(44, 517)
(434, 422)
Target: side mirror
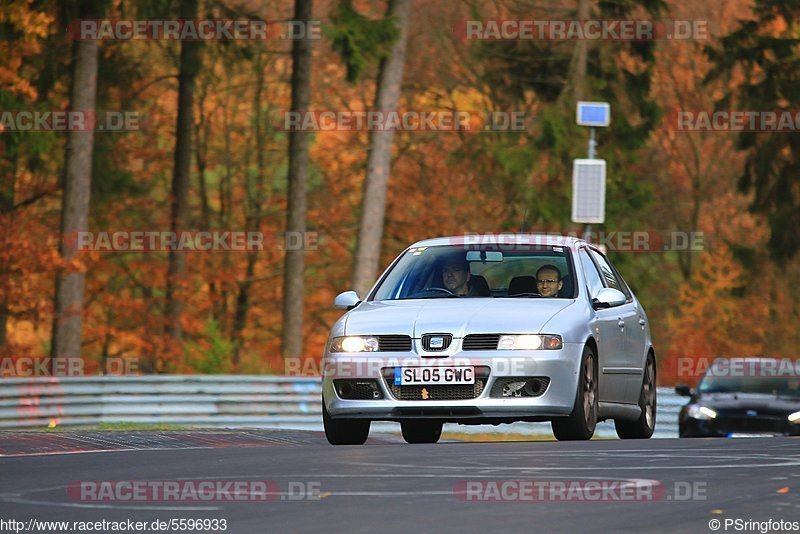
(683, 390)
(346, 301)
(608, 298)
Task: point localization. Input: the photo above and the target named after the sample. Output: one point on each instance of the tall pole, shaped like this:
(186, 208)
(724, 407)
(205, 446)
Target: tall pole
(587, 231)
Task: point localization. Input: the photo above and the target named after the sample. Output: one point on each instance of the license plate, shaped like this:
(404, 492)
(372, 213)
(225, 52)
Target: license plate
(429, 376)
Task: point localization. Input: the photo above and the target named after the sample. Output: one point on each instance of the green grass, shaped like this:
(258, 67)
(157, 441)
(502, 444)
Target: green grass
(139, 426)
(110, 427)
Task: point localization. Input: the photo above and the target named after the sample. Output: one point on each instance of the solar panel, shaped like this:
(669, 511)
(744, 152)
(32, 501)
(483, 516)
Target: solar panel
(589, 191)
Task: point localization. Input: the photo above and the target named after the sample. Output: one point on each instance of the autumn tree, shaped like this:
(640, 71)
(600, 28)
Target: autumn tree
(766, 51)
(294, 262)
(22, 42)
(373, 204)
(66, 339)
(189, 66)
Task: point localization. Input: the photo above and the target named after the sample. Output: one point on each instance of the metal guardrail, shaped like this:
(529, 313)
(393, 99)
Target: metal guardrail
(228, 401)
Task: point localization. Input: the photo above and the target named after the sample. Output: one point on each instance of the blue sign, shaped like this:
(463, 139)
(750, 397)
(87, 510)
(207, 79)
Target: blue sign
(596, 114)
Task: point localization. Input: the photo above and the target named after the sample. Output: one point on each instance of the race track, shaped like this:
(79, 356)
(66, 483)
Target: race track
(388, 486)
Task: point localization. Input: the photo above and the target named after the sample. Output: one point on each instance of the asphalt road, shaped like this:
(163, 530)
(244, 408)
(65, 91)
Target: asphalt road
(386, 486)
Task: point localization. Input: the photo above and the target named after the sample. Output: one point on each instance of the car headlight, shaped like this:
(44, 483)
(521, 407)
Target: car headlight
(701, 412)
(794, 417)
(354, 344)
(529, 342)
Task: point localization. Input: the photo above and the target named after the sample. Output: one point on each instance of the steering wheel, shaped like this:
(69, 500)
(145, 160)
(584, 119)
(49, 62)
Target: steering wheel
(442, 289)
(525, 295)
(433, 289)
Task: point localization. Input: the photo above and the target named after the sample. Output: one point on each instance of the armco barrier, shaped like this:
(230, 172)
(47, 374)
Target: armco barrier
(229, 401)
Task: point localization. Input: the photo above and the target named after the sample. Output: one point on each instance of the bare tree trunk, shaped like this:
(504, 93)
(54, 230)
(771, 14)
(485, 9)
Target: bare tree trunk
(294, 263)
(255, 201)
(179, 215)
(373, 210)
(8, 179)
(201, 158)
(576, 81)
(66, 336)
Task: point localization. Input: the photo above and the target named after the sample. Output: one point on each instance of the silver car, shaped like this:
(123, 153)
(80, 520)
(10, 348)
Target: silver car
(488, 329)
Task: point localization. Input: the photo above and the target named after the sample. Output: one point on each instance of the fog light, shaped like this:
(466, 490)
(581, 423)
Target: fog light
(533, 387)
(345, 390)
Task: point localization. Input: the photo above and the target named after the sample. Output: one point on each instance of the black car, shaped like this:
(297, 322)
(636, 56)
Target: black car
(750, 402)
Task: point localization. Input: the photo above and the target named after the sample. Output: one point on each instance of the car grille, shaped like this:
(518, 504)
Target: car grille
(394, 343)
(426, 342)
(481, 342)
(532, 386)
(437, 392)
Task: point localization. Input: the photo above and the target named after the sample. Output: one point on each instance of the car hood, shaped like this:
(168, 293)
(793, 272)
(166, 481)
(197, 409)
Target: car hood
(729, 403)
(455, 316)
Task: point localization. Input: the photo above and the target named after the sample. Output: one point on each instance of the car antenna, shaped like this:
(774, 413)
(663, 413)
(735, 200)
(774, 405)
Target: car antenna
(524, 218)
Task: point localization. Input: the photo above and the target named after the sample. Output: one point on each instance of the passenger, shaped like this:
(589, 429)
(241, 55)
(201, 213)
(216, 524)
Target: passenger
(548, 281)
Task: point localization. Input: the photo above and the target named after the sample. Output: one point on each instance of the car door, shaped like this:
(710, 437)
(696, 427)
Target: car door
(636, 339)
(610, 336)
(629, 315)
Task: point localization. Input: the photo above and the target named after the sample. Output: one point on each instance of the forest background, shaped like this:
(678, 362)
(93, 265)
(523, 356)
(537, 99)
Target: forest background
(210, 152)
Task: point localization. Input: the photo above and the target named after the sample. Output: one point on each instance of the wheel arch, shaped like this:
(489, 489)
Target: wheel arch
(592, 343)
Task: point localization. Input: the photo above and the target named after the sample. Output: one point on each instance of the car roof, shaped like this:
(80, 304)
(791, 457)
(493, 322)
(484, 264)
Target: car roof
(502, 239)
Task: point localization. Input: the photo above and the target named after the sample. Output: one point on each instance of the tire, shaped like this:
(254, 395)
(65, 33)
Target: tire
(421, 431)
(644, 426)
(344, 431)
(580, 424)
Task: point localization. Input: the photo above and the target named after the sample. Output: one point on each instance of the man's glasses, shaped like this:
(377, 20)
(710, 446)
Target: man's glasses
(546, 281)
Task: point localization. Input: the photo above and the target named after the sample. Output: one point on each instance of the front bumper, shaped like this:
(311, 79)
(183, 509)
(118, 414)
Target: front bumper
(560, 366)
(722, 427)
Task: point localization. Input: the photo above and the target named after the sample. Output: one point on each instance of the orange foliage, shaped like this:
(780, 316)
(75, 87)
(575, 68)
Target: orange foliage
(700, 305)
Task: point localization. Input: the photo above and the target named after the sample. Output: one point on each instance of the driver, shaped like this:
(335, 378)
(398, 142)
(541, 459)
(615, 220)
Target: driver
(456, 276)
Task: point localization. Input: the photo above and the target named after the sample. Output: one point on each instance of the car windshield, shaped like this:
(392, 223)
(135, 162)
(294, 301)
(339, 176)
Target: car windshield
(785, 386)
(485, 271)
